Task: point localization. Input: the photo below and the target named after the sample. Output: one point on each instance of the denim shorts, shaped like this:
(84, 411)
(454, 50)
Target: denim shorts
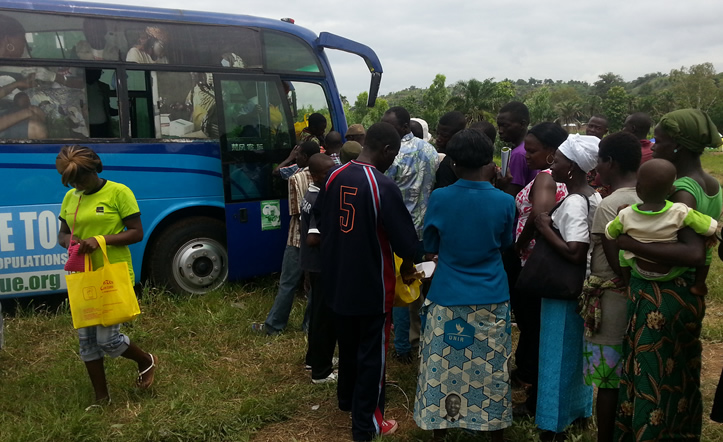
(97, 341)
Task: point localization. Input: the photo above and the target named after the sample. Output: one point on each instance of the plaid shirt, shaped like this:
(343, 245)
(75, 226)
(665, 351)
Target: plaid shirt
(298, 185)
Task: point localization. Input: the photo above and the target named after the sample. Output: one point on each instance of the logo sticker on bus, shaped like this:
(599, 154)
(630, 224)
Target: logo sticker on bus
(270, 215)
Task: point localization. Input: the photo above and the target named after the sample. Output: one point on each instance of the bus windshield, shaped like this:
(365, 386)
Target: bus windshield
(191, 111)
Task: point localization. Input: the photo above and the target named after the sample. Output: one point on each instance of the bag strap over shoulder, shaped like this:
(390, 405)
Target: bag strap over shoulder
(587, 200)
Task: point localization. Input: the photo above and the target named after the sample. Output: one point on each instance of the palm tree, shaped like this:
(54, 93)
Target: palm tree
(593, 106)
(568, 112)
(474, 98)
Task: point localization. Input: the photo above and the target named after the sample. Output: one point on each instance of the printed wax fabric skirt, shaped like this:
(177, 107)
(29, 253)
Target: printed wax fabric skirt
(562, 395)
(660, 395)
(463, 378)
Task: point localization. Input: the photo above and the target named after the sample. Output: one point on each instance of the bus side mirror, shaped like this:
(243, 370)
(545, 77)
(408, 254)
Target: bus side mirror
(374, 88)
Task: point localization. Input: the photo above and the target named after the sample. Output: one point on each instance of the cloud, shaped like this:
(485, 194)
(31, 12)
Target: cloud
(556, 39)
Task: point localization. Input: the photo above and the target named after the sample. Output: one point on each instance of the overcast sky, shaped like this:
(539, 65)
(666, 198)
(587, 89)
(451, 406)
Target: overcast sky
(415, 40)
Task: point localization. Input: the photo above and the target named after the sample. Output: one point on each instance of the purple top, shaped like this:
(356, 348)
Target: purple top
(521, 174)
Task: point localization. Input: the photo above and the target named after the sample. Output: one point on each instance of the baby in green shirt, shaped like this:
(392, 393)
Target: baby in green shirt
(658, 220)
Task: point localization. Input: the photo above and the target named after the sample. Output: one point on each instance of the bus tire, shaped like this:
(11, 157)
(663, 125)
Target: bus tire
(190, 256)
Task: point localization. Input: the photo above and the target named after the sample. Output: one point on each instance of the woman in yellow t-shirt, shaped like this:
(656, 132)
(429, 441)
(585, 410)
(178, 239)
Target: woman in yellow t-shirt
(96, 206)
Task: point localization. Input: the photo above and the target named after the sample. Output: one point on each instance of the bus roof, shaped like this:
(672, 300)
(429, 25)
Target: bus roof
(142, 12)
(325, 40)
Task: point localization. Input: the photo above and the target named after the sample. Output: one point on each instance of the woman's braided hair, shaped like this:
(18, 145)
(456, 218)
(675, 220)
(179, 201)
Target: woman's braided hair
(74, 159)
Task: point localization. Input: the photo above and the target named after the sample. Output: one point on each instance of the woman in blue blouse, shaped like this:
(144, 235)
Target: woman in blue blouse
(463, 379)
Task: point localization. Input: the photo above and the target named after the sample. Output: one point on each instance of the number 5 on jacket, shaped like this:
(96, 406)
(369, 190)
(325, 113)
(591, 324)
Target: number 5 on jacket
(346, 221)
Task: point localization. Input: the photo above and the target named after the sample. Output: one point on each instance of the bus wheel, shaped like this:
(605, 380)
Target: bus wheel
(190, 256)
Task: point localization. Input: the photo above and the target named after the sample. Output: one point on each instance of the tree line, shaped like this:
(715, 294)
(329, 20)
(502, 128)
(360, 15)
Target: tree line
(569, 103)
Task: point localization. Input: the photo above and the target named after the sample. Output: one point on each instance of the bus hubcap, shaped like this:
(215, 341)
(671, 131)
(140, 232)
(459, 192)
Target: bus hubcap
(200, 265)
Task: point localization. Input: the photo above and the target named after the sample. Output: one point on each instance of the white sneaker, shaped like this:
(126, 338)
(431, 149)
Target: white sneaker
(331, 378)
(334, 363)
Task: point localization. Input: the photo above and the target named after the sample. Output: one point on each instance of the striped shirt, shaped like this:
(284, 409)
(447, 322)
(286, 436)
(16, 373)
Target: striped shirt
(364, 221)
(298, 185)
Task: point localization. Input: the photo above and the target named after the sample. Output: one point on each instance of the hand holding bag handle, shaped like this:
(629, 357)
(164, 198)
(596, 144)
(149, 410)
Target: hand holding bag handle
(549, 274)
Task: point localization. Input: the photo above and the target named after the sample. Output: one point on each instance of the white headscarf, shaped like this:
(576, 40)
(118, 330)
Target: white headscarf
(425, 129)
(581, 150)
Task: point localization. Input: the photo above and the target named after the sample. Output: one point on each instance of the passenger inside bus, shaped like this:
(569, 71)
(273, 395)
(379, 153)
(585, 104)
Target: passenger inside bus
(18, 118)
(202, 101)
(55, 97)
(260, 114)
(247, 180)
(70, 36)
(231, 60)
(21, 120)
(151, 47)
(99, 108)
(247, 111)
(95, 46)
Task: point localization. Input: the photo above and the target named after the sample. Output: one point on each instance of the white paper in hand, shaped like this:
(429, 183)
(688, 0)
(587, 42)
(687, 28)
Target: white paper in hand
(427, 267)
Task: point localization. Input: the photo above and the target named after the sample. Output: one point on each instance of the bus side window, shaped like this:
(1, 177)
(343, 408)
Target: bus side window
(186, 104)
(102, 103)
(306, 99)
(172, 105)
(285, 53)
(254, 110)
(42, 103)
(229, 47)
(140, 100)
(255, 136)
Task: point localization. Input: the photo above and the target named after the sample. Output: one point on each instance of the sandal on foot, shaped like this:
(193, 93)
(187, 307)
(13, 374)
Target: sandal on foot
(150, 371)
(98, 405)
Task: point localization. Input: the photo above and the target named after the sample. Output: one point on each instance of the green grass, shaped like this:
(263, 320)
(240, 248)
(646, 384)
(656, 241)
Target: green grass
(713, 163)
(219, 381)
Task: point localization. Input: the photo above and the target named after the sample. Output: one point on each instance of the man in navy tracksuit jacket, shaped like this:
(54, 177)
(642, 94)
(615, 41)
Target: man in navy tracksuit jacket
(364, 222)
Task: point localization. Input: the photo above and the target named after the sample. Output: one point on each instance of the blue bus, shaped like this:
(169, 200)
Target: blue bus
(191, 110)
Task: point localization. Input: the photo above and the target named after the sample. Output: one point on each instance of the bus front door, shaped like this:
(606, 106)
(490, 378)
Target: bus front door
(256, 134)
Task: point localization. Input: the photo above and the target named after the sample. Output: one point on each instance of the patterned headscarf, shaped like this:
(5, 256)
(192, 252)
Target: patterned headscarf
(581, 150)
(157, 33)
(692, 129)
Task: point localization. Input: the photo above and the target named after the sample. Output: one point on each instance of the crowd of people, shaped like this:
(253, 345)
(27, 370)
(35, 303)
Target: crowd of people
(637, 227)
(636, 216)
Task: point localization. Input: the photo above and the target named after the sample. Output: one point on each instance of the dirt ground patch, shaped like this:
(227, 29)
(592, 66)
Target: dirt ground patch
(712, 361)
(710, 376)
(328, 423)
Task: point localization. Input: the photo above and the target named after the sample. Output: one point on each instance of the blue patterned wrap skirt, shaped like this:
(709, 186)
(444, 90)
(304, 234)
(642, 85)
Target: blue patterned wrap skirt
(463, 378)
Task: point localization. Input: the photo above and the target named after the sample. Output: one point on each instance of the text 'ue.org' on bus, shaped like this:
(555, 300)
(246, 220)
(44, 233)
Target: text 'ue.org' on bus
(191, 110)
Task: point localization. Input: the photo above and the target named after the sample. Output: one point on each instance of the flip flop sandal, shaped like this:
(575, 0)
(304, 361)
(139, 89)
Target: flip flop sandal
(151, 371)
(98, 406)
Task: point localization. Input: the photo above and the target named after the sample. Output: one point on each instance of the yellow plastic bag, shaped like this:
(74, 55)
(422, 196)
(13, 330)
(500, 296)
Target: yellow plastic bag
(404, 294)
(104, 296)
(301, 125)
